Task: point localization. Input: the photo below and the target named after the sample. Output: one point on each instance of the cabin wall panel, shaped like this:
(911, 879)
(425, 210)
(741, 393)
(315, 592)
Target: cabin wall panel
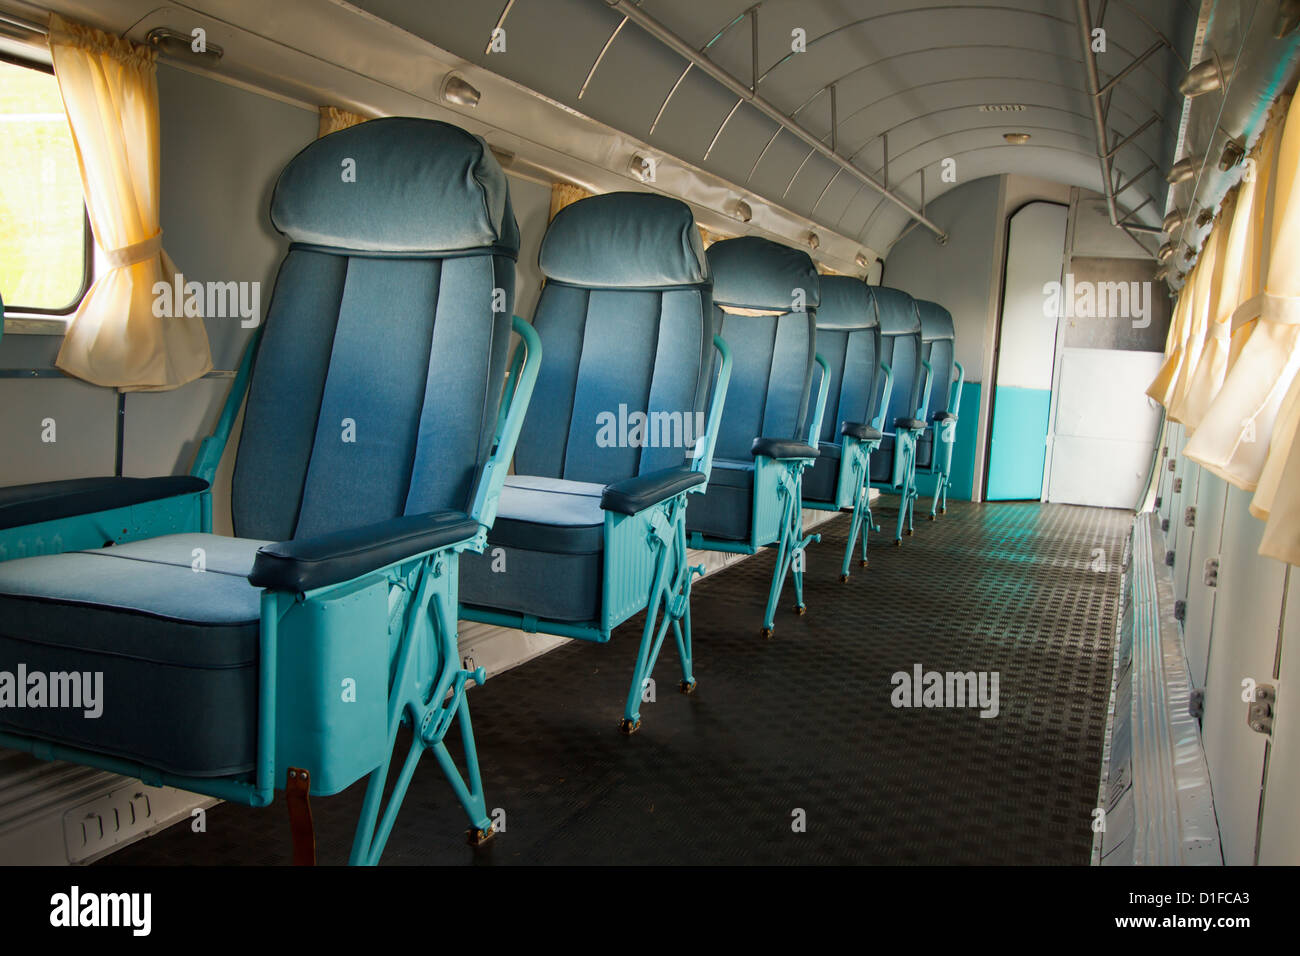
(1246, 621)
(532, 204)
(1279, 842)
(83, 433)
(1211, 502)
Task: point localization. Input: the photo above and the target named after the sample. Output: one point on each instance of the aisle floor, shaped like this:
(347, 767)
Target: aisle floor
(802, 722)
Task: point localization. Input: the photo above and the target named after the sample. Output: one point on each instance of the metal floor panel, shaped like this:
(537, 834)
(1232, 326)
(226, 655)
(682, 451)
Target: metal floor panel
(801, 722)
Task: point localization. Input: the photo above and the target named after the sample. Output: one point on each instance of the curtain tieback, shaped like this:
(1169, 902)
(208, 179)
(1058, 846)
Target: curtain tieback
(137, 252)
(1282, 309)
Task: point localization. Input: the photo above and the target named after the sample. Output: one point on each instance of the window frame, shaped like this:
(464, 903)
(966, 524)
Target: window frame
(17, 310)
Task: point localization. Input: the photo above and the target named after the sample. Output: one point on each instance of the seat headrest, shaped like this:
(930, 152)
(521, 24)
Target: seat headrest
(624, 240)
(398, 186)
(846, 304)
(755, 273)
(897, 311)
(936, 321)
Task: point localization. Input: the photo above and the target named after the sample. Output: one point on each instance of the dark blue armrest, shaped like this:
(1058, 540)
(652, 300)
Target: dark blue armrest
(944, 417)
(50, 500)
(306, 563)
(909, 424)
(782, 448)
(860, 431)
(631, 495)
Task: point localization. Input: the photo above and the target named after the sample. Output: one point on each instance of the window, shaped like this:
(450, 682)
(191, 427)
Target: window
(45, 251)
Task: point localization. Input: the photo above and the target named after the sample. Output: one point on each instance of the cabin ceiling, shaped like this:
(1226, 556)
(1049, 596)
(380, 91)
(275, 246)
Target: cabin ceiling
(912, 73)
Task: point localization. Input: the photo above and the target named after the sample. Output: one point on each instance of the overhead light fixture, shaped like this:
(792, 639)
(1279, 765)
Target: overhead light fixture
(1288, 18)
(1204, 77)
(1016, 139)
(1233, 153)
(1180, 172)
(175, 43)
(739, 209)
(1165, 251)
(1172, 221)
(813, 240)
(862, 261)
(1205, 218)
(1161, 273)
(642, 167)
(457, 91)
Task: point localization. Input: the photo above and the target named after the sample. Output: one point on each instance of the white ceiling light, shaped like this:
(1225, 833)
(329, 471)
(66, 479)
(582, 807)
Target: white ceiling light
(739, 209)
(1180, 172)
(642, 168)
(813, 240)
(457, 91)
(1172, 221)
(1016, 139)
(862, 261)
(1204, 77)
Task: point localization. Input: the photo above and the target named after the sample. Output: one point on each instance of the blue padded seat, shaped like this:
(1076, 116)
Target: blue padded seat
(848, 338)
(374, 395)
(900, 349)
(626, 298)
(938, 342)
(757, 287)
(51, 500)
(167, 639)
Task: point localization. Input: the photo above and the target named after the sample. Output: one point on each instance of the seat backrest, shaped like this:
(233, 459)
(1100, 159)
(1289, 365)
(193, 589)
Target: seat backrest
(765, 306)
(848, 338)
(938, 342)
(624, 324)
(378, 377)
(900, 349)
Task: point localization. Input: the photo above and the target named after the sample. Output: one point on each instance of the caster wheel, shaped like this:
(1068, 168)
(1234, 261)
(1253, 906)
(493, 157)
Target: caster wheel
(910, 532)
(767, 633)
(478, 836)
(862, 563)
(943, 511)
(930, 517)
(898, 542)
(687, 687)
(801, 609)
(627, 728)
(844, 578)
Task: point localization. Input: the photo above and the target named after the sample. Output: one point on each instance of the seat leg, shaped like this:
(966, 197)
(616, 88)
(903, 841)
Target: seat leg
(860, 511)
(297, 797)
(427, 624)
(792, 545)
(669, 606)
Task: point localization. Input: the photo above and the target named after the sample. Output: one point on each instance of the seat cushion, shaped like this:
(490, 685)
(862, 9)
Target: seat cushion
(51, 500)
(545, 552)
(171, 623)
(726, 510)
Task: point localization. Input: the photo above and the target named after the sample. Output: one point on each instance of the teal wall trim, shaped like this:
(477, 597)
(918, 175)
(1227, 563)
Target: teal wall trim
(1018, 444)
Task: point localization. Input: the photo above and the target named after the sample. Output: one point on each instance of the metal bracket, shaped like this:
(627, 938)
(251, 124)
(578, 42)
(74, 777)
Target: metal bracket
(1259, 713)
(1189, 516)
(1196, 703)
(1164, 525)
(1178, 486)
(1171, 464)
(1211, 577)
(1169, 558)
(1180, 611)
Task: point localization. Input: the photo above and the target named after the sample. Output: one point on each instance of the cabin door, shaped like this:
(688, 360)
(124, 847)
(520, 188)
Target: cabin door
(1025, 350)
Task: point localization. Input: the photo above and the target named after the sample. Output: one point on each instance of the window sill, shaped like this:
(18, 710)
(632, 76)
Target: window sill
(35, 325)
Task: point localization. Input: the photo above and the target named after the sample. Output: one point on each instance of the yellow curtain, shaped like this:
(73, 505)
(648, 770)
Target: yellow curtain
(110, 92)
(1161, 389)
(1236, 436)
(1202, 294)
(1238, 266)
(333, 119)
(565, 194)
(1206, 307)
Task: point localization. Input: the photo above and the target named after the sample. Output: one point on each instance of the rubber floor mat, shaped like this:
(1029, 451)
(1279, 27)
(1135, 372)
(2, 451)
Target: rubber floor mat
(792, 750)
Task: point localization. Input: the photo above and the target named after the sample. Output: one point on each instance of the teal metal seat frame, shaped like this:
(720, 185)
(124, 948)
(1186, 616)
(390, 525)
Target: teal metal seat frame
(645, 567)
(304, 636)
(776, 515)
(853, 482)
(945, 438)
(903, 479)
